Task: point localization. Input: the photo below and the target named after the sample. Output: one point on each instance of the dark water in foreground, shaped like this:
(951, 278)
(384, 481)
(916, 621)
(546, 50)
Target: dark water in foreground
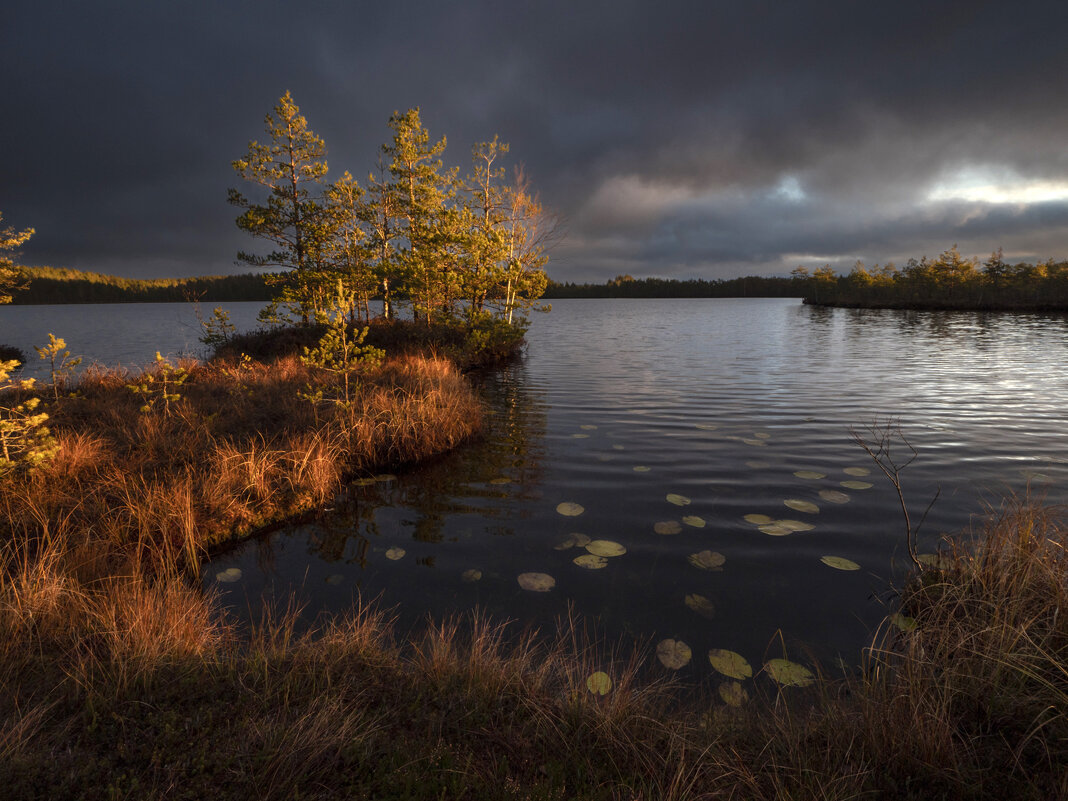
(620, 403)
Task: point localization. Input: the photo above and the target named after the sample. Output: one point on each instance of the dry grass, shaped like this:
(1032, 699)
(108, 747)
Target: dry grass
(240, 449)
(133, 686)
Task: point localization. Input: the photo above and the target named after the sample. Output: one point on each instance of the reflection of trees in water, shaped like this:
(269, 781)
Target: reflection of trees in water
(467, 482)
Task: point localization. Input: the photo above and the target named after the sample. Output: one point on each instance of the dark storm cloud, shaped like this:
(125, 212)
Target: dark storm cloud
(681, 139)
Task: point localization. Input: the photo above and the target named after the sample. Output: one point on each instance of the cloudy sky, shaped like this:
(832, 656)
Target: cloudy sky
(679, 139)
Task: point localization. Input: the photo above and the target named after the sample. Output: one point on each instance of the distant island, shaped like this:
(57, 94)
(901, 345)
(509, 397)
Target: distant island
(948, 282)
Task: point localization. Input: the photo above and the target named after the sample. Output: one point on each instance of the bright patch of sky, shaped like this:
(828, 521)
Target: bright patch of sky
(789, 188)
(996, 186)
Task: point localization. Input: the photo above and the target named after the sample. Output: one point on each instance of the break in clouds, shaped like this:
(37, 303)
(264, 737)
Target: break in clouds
(681, 140)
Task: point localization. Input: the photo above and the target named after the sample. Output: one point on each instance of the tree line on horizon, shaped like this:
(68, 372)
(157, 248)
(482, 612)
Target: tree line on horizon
(415, 235)
(948, 281)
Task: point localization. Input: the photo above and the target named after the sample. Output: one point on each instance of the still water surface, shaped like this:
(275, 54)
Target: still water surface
(620, 403)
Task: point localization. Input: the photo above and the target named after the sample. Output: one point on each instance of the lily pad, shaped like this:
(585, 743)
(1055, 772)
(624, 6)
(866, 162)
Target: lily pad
(798, 505)
(385, 477)
(573, 540)
(730, 663)
(599, 683)
(569, 509)
(334, 579)
(395, 553)
(580, 436)
(588, 427)
(732, 693)
(809, 474)
(839, 563)
(794, 525)
(673, 654)
(857, 471)
(678, 500)
(707, 426)
(229, 576)
(834, 496)
(707, 560)
(641, 468)
(667, 527)
(471, 575)
(536, 582)
(701, 605)
(590, 561)
(903, 622)
(775, 530)
(606, 548)
(762, 435)
(362, 482)
(789, 674)
(617, 447)
(694, 520)
(756, 465)
(758, 520)
(857, 485)
(756, 443)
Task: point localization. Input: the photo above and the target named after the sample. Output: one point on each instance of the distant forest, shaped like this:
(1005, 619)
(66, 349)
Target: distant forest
(55, 285)
(949, 281)
(624, 286)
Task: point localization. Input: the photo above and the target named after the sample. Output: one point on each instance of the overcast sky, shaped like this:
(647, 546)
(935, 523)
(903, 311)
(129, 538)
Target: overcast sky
(698, 139)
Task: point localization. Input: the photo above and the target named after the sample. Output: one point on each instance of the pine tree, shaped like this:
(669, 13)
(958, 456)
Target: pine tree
(291, 167)
(11, 275)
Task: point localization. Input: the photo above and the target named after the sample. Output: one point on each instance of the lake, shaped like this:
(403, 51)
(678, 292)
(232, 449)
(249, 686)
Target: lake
(674, 416)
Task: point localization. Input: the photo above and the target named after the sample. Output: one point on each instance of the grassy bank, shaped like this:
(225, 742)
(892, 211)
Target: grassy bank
(119, 681)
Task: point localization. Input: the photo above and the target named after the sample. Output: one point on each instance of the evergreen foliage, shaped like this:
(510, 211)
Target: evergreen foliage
(58, 285)
(11, 275)
(61, 364)
(25, 441)
(949, 281)
(417, 236)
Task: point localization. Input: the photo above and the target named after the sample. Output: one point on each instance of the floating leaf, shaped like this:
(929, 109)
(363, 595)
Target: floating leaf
(678, 500)
(617, 447)
(762, 435)
(471, 576)
(707, 560)
(642, 469)
(834, 496)
(733, 693)
(802, 506)
(701, 605)
(839, 563)
(362, 482)
(536, 582)
(386, 477)
(809, 474)
(395, 553)
(334, 579)
(694, 520)
(857, 485)
(730, 664)
(673, 654)
(229, 576)
(794, 525)
(756, 443)
(606, 548)
(758, 520)
(569, 509)
(588, 427)
(707, 426)
(775, 530)
(935, 560)
(903, 622)
(599, 683)
(857, 471)
(580, 436)
(667, 527)
(590, 561)
(789, 674)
